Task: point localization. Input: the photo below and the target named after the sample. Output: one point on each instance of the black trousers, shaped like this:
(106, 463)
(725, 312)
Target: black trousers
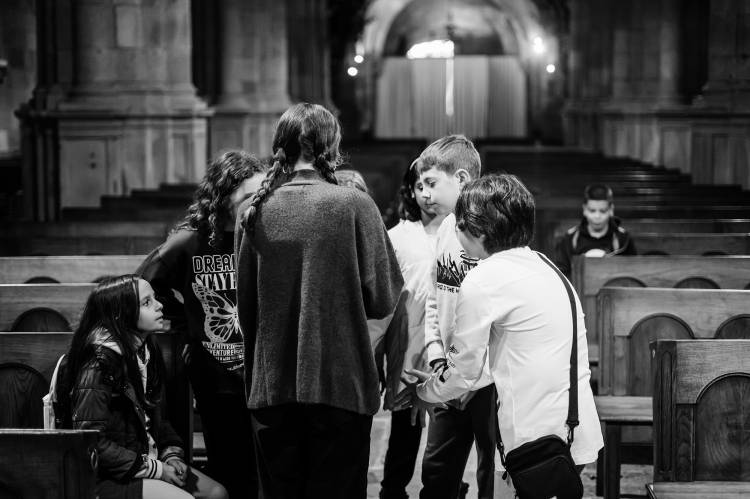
(450, 436)
(401, 456)
(311, 451)
(229, 442)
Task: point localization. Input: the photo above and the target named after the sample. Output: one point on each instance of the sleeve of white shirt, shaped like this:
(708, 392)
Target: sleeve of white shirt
(468, 352)
(432, 340)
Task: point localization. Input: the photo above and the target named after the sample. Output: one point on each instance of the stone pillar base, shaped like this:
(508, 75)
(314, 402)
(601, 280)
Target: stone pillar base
(113, 154)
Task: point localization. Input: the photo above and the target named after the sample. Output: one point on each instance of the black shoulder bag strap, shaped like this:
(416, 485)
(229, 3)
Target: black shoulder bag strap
(572, 420)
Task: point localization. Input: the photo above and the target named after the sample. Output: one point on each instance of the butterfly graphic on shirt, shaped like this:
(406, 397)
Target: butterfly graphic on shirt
(221, 321)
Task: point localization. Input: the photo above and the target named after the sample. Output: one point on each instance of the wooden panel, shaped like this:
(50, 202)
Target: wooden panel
(704, 310)
(701, 408)
(66, 269)
(636, 379)
(722, 420)
(556, 228)
(39, 351)
(68, 299)
(48, 464)
(620, 310)
(701, 490)
(589, 275)
(696, 367)
(697, 283)
(21, 392)
(692, 244)
(737, 328)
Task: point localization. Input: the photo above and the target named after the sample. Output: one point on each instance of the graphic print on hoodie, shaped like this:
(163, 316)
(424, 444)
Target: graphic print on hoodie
(214, 287)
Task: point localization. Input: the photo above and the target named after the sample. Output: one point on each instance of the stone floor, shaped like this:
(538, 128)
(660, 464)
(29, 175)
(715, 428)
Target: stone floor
(634, 477)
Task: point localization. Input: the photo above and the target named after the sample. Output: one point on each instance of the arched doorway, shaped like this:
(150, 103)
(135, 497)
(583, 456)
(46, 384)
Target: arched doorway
(455, 66)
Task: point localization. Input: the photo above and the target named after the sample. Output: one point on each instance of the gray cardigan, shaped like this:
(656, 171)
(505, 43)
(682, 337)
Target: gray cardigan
(316, 264)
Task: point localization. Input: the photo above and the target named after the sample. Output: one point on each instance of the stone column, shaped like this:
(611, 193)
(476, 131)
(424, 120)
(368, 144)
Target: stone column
(39, 137)
(729, 64)
(18, 51)
(669, 48)
(254, 75)
(309, 54)
(132, 118)
(621, 51)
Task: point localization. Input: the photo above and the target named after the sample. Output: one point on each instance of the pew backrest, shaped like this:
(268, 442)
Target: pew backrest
(50, 464)
(589, 275)
(67, 299)
(66, 269)
(558, 228)
(692, 244)
(630, 318)
(700, 409)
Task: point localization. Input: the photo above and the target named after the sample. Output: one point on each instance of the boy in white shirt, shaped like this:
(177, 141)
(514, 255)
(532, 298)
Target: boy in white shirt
(444, 167)
(513, 314)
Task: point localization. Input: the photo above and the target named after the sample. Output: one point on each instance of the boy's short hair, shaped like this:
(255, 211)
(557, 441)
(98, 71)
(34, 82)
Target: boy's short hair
(450, 154)
(499, 207)
(598, 192)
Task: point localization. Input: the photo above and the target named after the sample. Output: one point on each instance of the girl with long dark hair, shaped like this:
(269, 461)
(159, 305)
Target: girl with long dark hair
(197, 261)
(114, 373)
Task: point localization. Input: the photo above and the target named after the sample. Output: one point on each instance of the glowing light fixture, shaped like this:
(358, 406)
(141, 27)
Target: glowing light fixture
(537, 45)
(551, 68)
(352, 71)
(358, 59)
(434, 49)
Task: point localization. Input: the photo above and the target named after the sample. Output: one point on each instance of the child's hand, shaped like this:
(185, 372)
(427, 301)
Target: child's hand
(408, 398)
(179, 465)
(169, 474)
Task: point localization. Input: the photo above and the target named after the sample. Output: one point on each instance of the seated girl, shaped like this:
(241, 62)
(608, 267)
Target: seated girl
(114, 373)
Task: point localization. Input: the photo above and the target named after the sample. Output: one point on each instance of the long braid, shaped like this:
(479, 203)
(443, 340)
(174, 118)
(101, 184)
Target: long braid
(326, 168)
(266, 187)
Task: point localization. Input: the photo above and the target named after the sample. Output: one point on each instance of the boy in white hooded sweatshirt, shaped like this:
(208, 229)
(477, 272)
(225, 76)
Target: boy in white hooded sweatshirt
(444, 167)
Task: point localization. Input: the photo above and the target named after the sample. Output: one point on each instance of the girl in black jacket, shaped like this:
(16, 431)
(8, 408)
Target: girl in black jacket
(114, 370)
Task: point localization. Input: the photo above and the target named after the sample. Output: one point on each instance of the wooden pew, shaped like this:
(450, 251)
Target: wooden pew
(589, 275)
(49, 464)
(630, 318)
(700, 410)
(83, 237)
(556, 229)
(66, 299)
(27, 361)
(66, 269)
(692, 244)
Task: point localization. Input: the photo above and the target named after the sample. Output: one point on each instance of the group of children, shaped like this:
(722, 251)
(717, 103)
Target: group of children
(276, 277)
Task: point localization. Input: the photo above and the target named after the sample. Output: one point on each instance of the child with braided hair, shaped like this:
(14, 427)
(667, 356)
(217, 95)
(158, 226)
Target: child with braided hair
(314, 263)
